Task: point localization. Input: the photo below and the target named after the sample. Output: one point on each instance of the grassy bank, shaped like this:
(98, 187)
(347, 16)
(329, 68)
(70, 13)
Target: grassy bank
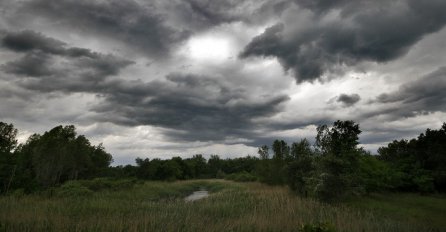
(414, 208)
(159, 206)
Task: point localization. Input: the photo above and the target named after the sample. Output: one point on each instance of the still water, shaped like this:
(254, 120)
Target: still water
(197, 195)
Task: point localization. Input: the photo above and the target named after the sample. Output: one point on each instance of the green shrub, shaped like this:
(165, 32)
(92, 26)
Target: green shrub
(73, 189)
(220, 174)
(425, 184)
(100, 184)
(241, 177)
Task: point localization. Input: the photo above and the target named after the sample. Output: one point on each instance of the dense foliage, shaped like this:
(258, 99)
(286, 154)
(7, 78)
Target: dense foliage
(48, 160)
(335, 167)
(331, 169)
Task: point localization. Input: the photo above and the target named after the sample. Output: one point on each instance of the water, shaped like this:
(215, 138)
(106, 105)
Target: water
(197, 195)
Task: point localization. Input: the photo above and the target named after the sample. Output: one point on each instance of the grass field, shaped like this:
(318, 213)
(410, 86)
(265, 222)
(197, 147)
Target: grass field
(159, 206)
(415, 208)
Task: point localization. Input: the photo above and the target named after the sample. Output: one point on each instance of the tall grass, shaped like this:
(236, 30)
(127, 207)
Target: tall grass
(159, 206)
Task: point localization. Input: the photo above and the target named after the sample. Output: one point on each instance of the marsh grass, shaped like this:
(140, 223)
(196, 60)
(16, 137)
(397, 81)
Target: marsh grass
(416, 208)
(159, 206)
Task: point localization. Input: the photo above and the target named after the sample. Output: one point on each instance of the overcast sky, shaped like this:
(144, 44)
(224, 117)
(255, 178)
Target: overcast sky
(158, 78)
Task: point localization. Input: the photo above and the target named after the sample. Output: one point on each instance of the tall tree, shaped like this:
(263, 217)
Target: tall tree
(280, 157)
(60, 155)
(8, 168)
(339, 160)
(281, 150)
(301, 167)
(263, 152)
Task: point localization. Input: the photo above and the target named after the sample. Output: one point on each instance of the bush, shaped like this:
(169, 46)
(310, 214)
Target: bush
(220, 174)
(73, 189)
(87, 187)
(241, 177)
(99, 184)
(424, 183)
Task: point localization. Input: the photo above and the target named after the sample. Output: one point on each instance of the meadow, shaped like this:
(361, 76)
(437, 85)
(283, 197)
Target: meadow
(231, 206)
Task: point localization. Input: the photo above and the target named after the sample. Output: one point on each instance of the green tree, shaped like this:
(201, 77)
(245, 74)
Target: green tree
(420, 162)
(215, 165)
(264, 166)
(300, 168)
(338, 164)
(198, 166)
(263, 152)
(8, 167)
(60, 155)
(280, 158)
(281, 150)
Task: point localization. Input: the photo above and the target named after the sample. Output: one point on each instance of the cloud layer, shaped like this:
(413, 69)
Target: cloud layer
(157, 78)
(344, 34)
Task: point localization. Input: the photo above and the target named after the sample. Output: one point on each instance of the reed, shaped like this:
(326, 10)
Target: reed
(159, 206)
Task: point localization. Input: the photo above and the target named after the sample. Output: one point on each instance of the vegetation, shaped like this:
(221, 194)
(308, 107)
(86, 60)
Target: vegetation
(335, 168)
(232, 206)
(60, 181)
(404, 206)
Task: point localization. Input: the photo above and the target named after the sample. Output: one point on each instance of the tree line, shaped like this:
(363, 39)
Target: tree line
(335, 167)
(332, 168)
(49, 159)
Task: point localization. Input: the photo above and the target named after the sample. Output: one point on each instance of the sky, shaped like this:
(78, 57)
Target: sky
(159, 78)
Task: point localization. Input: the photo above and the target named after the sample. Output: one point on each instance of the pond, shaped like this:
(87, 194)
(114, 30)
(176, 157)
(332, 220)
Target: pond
(197, 195)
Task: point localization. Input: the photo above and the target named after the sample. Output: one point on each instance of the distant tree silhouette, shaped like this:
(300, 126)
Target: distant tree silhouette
(8, 167)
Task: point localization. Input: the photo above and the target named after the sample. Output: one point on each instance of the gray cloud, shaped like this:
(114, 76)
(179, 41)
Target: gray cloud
(49, 65)
(348, 100)
(421, 96)
(196, 107)
(222, 103)
(198, 15)
(137, 25)
(374, 31)
(206, 12)
(193, 107)
(25, 41)
(34, 64)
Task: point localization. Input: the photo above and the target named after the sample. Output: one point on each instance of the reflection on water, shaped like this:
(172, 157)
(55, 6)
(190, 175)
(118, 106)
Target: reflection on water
(197, 195)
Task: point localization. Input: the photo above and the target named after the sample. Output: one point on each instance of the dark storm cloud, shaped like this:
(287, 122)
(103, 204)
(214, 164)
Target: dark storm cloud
(193, 107)
(49, 65)
(209, 12)
(376, 31)
(25, 41)
(34, 64)
(348, 100)
(196, 107)
(322, 5)
(198, 15)
(137, 25)
(422, 96)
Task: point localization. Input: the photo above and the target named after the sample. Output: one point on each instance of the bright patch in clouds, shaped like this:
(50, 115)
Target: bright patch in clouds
(209, 48)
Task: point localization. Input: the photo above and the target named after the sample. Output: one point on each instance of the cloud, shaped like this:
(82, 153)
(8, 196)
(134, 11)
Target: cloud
(198, 15)
(135, 24)
(195, 107)
(49, 65)
(342, 35)
(83, 62)
(207, 12)
(25, 41)
(33, 64)
(422, 96)
(348, 100)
